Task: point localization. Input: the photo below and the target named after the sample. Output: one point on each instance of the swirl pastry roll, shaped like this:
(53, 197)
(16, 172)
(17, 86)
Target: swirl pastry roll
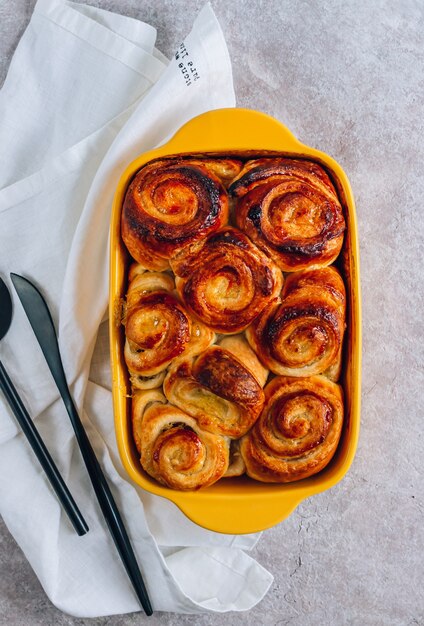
(227, 281)
(298, 431)
(173, 448)
(158, 329)
(222, 388)
(290, 209)
(302, 334)
(171, 204)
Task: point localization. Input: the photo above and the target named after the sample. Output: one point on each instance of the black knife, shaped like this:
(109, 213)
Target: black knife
(42, 324)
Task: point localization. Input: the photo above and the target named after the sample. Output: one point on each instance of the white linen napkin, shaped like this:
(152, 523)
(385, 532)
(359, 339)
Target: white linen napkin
(85, 94)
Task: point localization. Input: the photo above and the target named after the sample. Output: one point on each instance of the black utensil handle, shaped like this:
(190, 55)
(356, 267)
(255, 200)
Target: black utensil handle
(41, 452)
(108, 505)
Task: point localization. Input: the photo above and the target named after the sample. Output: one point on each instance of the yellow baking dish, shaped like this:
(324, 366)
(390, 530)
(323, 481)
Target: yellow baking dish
(239, 505)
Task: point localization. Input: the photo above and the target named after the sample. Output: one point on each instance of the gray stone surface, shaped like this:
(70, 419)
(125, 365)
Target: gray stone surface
(346, 77)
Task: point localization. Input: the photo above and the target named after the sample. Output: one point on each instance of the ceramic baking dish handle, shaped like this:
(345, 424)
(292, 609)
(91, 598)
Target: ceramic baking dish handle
(249, 519)
(268, 133)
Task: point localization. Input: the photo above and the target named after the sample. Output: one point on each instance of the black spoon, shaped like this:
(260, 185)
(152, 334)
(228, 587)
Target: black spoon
(28, 427)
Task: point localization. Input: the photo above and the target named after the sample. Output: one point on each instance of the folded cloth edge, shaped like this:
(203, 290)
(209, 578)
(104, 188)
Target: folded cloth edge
(100, 37)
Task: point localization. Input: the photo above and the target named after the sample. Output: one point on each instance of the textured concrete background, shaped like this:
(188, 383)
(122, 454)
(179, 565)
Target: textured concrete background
(346, 77)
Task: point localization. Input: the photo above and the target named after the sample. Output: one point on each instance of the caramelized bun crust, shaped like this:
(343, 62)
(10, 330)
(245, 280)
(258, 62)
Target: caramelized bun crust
(290, 209)
(173, 448)
(227, 281)
(298, 431)
(301, 334)
(171, 204)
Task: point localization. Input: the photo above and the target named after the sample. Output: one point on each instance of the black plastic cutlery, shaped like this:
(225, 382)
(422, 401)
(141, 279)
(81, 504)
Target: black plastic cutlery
(42, 324)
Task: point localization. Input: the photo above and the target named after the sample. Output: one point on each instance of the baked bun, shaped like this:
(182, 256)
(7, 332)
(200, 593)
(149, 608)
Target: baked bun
(290, 209)
(226, 281)
(158, 329)
(301, 334)
(221, 388)
(171, 204)
(173, 448)
(298, 431)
